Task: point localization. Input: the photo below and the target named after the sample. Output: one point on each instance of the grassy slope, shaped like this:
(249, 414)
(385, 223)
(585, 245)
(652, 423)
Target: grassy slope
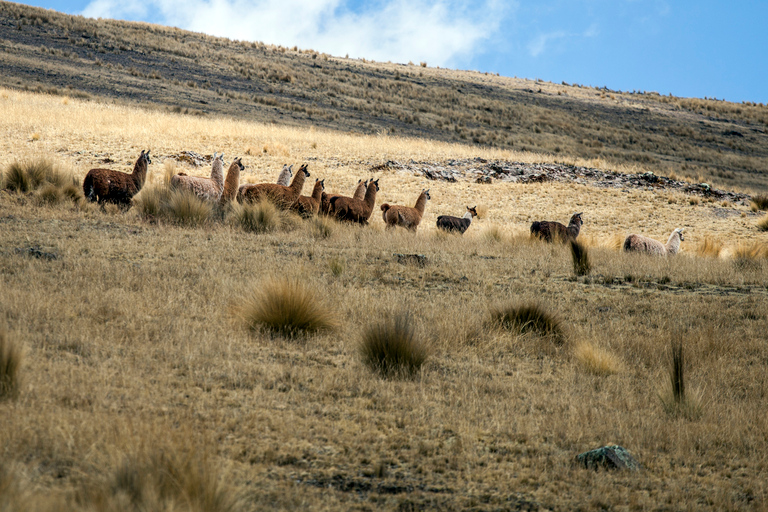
(705, 140)
(134, 347)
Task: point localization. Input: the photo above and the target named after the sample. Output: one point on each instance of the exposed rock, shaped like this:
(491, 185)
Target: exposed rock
(608, 457)
(36, 252)
(193, 158)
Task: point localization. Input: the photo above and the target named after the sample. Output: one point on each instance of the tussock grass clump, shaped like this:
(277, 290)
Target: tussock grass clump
(596, 360)
(49, 195)
(150, 202)
(493, 233)
(759, 202)
(11, 358)
(28, 175)
(709, 247)
(336, 265)
(187, 209)
(322, 226)
(528, 318)
(391, 348)
(164, 481)
(261, 217)
(762, 224)
(289, 308)
(580, 255)
(675, 398)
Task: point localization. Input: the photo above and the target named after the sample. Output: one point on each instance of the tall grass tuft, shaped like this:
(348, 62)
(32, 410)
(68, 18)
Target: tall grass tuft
(163, 481)
(528, 318)
(322, 226)
(187, 209)
(596, 360)
(11, 358)
(262, 217)
(580, 256)
(289, 308)
(762, 224)
(391, 347)
(675, 398)
(759, 202)
(28, 175)
(151, 201)
(49, 195)
(709, 247)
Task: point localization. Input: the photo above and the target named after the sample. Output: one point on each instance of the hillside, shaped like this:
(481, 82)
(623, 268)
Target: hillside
(136, 63)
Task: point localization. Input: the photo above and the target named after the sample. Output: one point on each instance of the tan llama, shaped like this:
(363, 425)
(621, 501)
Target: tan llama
(405, 216)
(205, 188)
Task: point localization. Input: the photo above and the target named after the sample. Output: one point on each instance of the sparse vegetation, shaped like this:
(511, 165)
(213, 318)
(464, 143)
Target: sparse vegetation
(580, 257)
(759, 202)
(675, 398)
(392, 348)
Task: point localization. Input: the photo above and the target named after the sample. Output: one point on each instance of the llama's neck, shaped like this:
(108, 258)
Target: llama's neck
(139, 173)
(673, 244)
(317, 192)
(232, 183)
(574, 227)
(298, 181)
(421, 203)
(370, 195)
(360, 190)
(468, 216)
(217, 173)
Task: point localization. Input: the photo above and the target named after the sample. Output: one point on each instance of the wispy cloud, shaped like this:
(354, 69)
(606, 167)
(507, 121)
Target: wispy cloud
(543, 42)
(443, 33)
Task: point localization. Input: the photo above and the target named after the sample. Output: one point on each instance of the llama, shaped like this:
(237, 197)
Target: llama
(232, 183)
(108, 186)
(307, 206)
(285, 175)
(326, 201)
(405, 216)
(355, 210)
(204, 188)
(452, 224)
(556, 232)
(643, 244)
(280, 195)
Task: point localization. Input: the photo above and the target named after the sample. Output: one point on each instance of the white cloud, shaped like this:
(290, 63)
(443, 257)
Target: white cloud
(442, 32)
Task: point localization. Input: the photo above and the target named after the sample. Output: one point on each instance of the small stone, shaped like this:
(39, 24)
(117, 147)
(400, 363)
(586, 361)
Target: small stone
(608, 457)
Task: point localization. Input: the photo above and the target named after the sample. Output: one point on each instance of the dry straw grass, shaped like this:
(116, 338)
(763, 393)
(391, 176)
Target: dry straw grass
(676, 398)
(580, 257)
(288, 307)
(596, 360)
(392, 348)
(759, 202)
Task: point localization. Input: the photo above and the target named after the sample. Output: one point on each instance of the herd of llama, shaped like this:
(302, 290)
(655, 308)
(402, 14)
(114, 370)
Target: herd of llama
(109, 186)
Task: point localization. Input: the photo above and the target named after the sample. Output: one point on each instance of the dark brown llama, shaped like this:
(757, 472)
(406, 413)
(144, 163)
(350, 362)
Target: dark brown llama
(555, 232)
(355, 210)
(108, 186)
(456, 224)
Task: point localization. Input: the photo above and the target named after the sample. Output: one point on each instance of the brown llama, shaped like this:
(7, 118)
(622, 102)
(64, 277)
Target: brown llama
(282, 196)
(307, 206)
(204, 188)
(456, 224)
(232, 182)
(325, 203)
(643, 244)
(405, 216)
(108, 186)
(555, 232)
(285, 175)
(355, 210)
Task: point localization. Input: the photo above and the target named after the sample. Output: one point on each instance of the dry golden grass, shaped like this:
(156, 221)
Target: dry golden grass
(392, 348)
(11, 358)
(133, 357)
(596, 360)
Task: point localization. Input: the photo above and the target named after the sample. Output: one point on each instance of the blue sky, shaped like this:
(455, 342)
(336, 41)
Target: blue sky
(687, 48)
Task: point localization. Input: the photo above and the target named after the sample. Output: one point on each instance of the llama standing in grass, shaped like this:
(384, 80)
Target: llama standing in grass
(327, 199)
(285, 175)
(556, 232)
(355, 210)
(282, 196)
(205, 188)
(643, 244)
(405, 216)
(108, 186)
(232, 182)
(456, 224)
(307, 206)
